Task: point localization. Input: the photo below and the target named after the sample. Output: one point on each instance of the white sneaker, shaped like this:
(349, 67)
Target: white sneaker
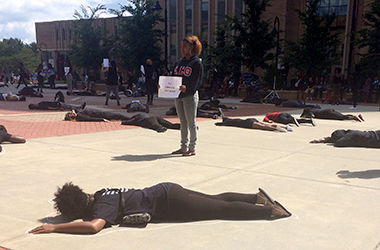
(353, 108)
(288, 128)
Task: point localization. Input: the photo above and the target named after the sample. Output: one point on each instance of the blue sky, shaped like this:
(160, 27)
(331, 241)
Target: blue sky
(17, 17)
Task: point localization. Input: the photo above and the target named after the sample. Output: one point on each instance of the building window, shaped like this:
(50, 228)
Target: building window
(238, 8)
(221, 11)
(204, 20)
(188, 17)
(329, 7)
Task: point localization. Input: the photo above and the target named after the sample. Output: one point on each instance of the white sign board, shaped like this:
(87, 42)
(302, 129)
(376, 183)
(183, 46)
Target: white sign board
(169, 86)
(106, 63)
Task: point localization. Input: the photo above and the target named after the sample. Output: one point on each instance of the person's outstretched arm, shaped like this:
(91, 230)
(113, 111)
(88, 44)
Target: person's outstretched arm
(324, 140)
(81, 227)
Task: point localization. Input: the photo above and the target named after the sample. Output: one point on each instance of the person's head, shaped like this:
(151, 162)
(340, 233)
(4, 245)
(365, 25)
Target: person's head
(33, 106)
(337, 134)
(70, 116)
(148, 62)
(71, 201)
(307, 113)
(59, 97)
(191, 46)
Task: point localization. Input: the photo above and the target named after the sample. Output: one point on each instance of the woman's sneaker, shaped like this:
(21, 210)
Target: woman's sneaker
(141, 218)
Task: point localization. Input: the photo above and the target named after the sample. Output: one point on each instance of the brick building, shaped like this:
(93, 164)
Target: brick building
(201, 17)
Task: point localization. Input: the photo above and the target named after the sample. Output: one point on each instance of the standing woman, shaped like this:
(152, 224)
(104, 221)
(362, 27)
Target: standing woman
(112, 83)
(191, 69)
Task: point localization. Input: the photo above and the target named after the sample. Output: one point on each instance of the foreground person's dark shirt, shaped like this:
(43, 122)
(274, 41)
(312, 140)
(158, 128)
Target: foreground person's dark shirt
(355, 138)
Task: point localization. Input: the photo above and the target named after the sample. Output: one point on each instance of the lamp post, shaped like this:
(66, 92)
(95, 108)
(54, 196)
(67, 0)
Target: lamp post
(158, 7)
(276, 29)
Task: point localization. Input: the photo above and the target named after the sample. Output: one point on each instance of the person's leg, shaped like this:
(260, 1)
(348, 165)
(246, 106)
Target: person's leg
(179, 105)
(268, 127)
(189, 205)
(190, 108)
(167, 124)
(285, 118)
(303, 120)
(116, 93)
(108, 94)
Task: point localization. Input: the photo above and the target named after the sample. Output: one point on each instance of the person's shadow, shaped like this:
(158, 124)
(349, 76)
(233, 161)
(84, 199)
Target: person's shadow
(367, 174)
(151, 157)
(55, 219)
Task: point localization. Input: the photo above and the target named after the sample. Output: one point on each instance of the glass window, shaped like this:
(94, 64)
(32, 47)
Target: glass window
(221, 11)
(172, 30)
(188, 16)
(337, 7)
(204, 20)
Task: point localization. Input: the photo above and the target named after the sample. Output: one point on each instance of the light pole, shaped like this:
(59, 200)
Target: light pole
(158, 7)
(276, 29)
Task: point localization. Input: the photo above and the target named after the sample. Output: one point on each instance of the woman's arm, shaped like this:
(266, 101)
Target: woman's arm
(82, 227)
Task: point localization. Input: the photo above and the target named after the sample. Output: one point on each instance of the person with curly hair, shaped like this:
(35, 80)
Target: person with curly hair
(164, 202)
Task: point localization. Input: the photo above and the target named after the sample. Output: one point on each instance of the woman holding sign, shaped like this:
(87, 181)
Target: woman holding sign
(190, 68)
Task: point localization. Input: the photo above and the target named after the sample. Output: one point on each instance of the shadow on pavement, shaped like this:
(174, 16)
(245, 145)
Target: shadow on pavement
(143, 157)
(54, 219)
(367, 174)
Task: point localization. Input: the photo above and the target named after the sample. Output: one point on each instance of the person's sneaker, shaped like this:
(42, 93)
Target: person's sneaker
(221, 112)
(288, 128)
(352, 108)
(296, 122)
(83, 105)
(215, 116)
(312, 122)
(361, 117)
(141, 218)
(146, 108)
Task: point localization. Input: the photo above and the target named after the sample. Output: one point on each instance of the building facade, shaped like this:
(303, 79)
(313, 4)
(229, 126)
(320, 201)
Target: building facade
(201, 18)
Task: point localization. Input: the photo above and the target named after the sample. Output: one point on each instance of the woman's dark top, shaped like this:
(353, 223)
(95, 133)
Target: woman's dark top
(355, 138)
(191, 71)
(152, 200)
(112, 76)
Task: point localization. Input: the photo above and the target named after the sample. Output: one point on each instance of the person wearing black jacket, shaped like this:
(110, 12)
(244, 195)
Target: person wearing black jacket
(149, 82)
(6, 137)
(190, 68)
(112, 83)
(163, 202)
(352, 138)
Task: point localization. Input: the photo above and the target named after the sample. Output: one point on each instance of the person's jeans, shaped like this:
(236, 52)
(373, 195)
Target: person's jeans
(115, 90)
(187, 113)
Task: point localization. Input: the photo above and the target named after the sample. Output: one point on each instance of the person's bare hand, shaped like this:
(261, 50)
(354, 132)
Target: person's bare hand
(43, 229)
(105, 120)
(182, 88)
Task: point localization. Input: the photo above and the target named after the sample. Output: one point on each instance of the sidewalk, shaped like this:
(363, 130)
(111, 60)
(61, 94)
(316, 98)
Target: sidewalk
(332, 192)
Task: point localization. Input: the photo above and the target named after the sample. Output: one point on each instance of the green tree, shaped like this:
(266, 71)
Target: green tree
(92, 44)
(254, 34)
(315, 51)
(139, 38)
(370, 38)
(13, 51)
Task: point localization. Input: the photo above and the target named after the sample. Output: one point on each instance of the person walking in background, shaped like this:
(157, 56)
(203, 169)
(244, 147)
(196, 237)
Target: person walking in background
(23, 75)
(355, 86)
(40, 78)
(51, 76)
(112, 84)
(337, 83)
(301, 86)
(69, 80)
(191, 69)
(149, 82)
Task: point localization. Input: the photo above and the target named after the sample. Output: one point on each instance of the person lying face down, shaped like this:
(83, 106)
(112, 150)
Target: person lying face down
(164, 202)
(352, 138)
(137, 106)
(6, 137)
(12, 97)
(94, 115)
(151, 122)
(214, 104)
(200, 113)
(329, 114)
(286, 118)
(251, 123)
(295, 104)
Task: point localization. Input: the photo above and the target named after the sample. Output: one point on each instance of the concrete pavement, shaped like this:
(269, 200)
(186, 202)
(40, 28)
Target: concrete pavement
(332, 192)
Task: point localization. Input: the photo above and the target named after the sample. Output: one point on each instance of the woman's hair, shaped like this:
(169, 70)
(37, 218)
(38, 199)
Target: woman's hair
(195, 43)
(71, 201)
(68, 116)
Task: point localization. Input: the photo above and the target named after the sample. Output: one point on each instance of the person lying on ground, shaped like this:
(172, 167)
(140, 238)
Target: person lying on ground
(164, 202)
(296, 104)
(94, 115)
(6, 137)
(286, 118)
(137, 106)
(352, 138)
(214, 104)
(29, 91)
(252, 123)
(151, 122)
(12, 97)
(200, 113)
(329, 114)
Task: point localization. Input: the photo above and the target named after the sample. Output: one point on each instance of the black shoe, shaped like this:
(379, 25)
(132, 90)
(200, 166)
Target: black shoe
(296, 122)
(83, 105)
